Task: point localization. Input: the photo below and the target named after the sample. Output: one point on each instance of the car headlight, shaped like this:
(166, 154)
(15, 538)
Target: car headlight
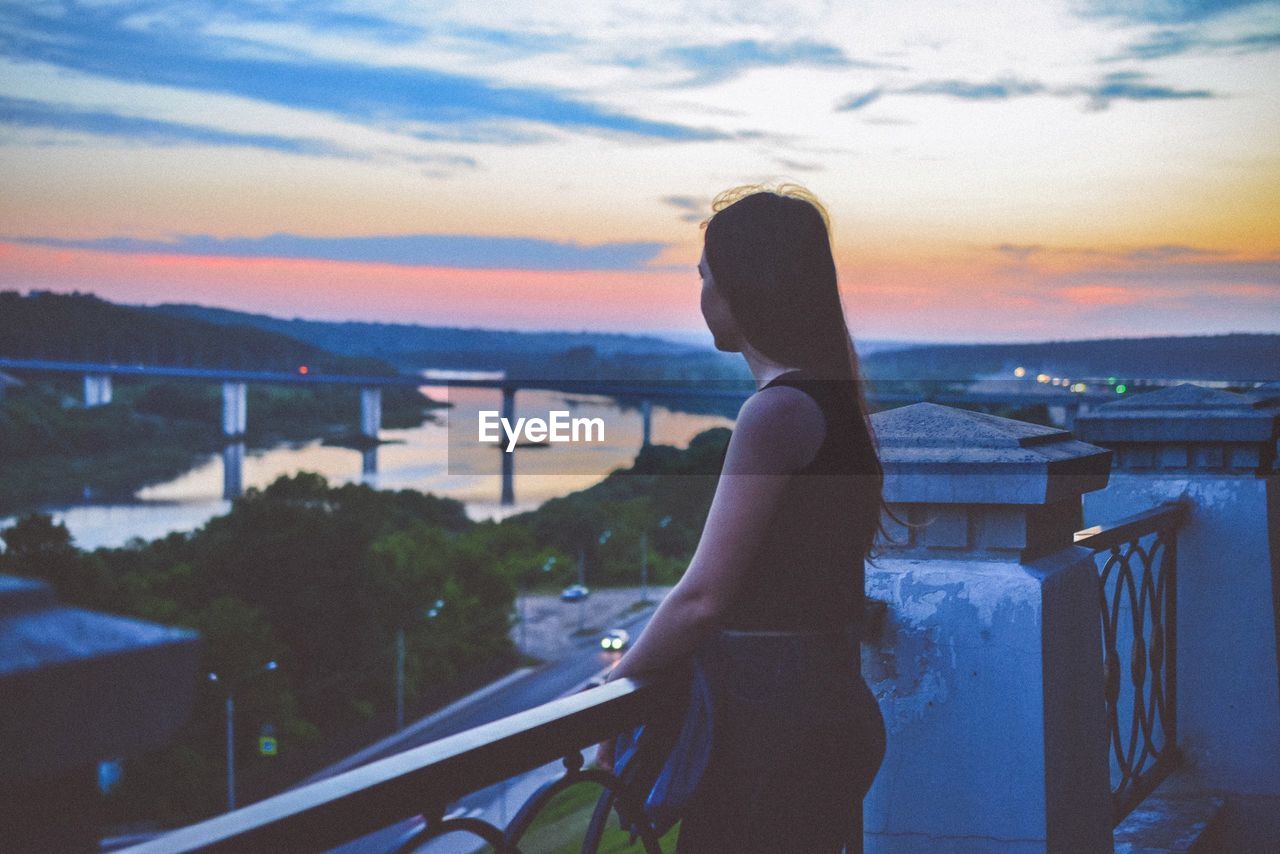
(605, 643)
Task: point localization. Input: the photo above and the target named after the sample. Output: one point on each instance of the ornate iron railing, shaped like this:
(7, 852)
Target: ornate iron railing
(425, 780)
(1137, 568)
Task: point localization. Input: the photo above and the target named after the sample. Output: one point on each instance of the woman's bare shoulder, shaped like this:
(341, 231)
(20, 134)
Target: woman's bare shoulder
(781, 428)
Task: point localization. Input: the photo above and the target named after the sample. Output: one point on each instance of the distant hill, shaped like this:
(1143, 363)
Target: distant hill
(1241, 357)
(83, 327)
(411, 345)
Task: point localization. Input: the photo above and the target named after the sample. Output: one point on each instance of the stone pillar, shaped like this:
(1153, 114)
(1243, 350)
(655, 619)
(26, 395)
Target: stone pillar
(371, 411)
(1216, 450)
(79, 687)
(235, 409)
(232, 470)
(508, 458)
(97, 389)
(989, 668)
(646, 415)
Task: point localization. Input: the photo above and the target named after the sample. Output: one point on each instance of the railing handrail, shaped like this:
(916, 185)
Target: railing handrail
(1164, 516)
(372, 797)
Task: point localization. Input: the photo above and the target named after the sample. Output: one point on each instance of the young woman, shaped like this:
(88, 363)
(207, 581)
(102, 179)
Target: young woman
(773, 598)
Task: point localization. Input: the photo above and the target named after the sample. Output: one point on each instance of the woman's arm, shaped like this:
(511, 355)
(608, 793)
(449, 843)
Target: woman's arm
(777, 433)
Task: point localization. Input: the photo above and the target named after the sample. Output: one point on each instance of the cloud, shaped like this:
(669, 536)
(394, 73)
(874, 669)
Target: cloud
(109, 42)
(1162, 11)
(715, 63)
(413, 250)
(1133, 86)
(1118, 86)
(20, 112)
(857, 102)
(1256, 272)
(512, 43)
(1158, 252)
(799, 165)
(693, 208)
(1163, 43)
(995, 90)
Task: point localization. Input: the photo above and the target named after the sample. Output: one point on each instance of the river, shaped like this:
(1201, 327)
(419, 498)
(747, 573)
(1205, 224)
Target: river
(416, 458)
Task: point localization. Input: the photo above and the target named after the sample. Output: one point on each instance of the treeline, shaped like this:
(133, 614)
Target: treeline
(1238, 357)
(413, 345)
(82, 327)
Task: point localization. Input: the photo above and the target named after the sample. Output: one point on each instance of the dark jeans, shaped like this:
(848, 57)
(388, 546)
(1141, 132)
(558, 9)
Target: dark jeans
(798, 740)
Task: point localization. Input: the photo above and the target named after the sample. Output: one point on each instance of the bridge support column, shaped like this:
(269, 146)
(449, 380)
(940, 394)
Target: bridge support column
(646, 416)
(97, 389)
(235, 409)
(370, 411)
(508, 458)
(369, 466)
(233, 471)
(988, 667)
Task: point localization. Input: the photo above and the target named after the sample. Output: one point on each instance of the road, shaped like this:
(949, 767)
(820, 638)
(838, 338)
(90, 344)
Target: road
(497, 804)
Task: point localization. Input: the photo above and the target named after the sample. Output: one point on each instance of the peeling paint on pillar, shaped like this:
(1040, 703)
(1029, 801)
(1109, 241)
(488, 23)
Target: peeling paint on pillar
(908, 670)
(988, 664)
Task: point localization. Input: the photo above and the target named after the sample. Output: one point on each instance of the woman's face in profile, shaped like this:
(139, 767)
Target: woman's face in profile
(715, 311)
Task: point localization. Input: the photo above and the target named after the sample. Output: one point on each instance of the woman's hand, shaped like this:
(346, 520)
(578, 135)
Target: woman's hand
(604, 750)
(604, 754)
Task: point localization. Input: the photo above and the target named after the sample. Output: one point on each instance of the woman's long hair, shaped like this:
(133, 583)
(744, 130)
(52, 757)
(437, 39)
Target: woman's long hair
(769, 250)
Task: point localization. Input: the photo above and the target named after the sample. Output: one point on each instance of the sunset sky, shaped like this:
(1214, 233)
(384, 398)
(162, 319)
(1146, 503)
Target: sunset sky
(994, 171)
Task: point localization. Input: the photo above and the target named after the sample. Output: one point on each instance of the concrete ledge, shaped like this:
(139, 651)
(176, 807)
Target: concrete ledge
(1177, 817)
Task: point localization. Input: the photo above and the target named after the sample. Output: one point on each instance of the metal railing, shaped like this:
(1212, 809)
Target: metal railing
(423, 781)
(1137, 565)
(1137, 569)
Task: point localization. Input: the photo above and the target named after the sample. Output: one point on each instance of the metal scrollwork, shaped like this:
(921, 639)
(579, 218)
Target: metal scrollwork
(1137, 604)
(614, 797)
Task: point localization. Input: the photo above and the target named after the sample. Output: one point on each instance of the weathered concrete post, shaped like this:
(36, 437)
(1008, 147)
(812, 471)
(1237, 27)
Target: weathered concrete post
(79, 687)
(508, 458)
(989, 669)
(371, 411)
(1216, 450)
(232, 470)
(646, 416)
(235, 409)
(97, 389)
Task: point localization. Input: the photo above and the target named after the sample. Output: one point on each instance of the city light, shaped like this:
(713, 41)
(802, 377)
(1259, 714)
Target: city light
(1019, 372)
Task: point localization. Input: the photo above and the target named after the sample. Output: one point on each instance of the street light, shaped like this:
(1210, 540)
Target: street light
(231, 736)
(582, 573)
(430, 614)
(524, 596)
(644, 560)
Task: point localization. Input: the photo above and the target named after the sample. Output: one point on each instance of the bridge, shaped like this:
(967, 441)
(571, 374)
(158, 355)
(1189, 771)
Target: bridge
(1063, 405)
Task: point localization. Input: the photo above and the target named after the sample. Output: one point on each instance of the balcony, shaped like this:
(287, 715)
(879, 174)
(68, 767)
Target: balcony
(1106, 687)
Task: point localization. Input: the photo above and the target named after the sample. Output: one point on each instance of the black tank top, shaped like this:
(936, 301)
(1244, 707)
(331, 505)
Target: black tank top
(808, 571)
